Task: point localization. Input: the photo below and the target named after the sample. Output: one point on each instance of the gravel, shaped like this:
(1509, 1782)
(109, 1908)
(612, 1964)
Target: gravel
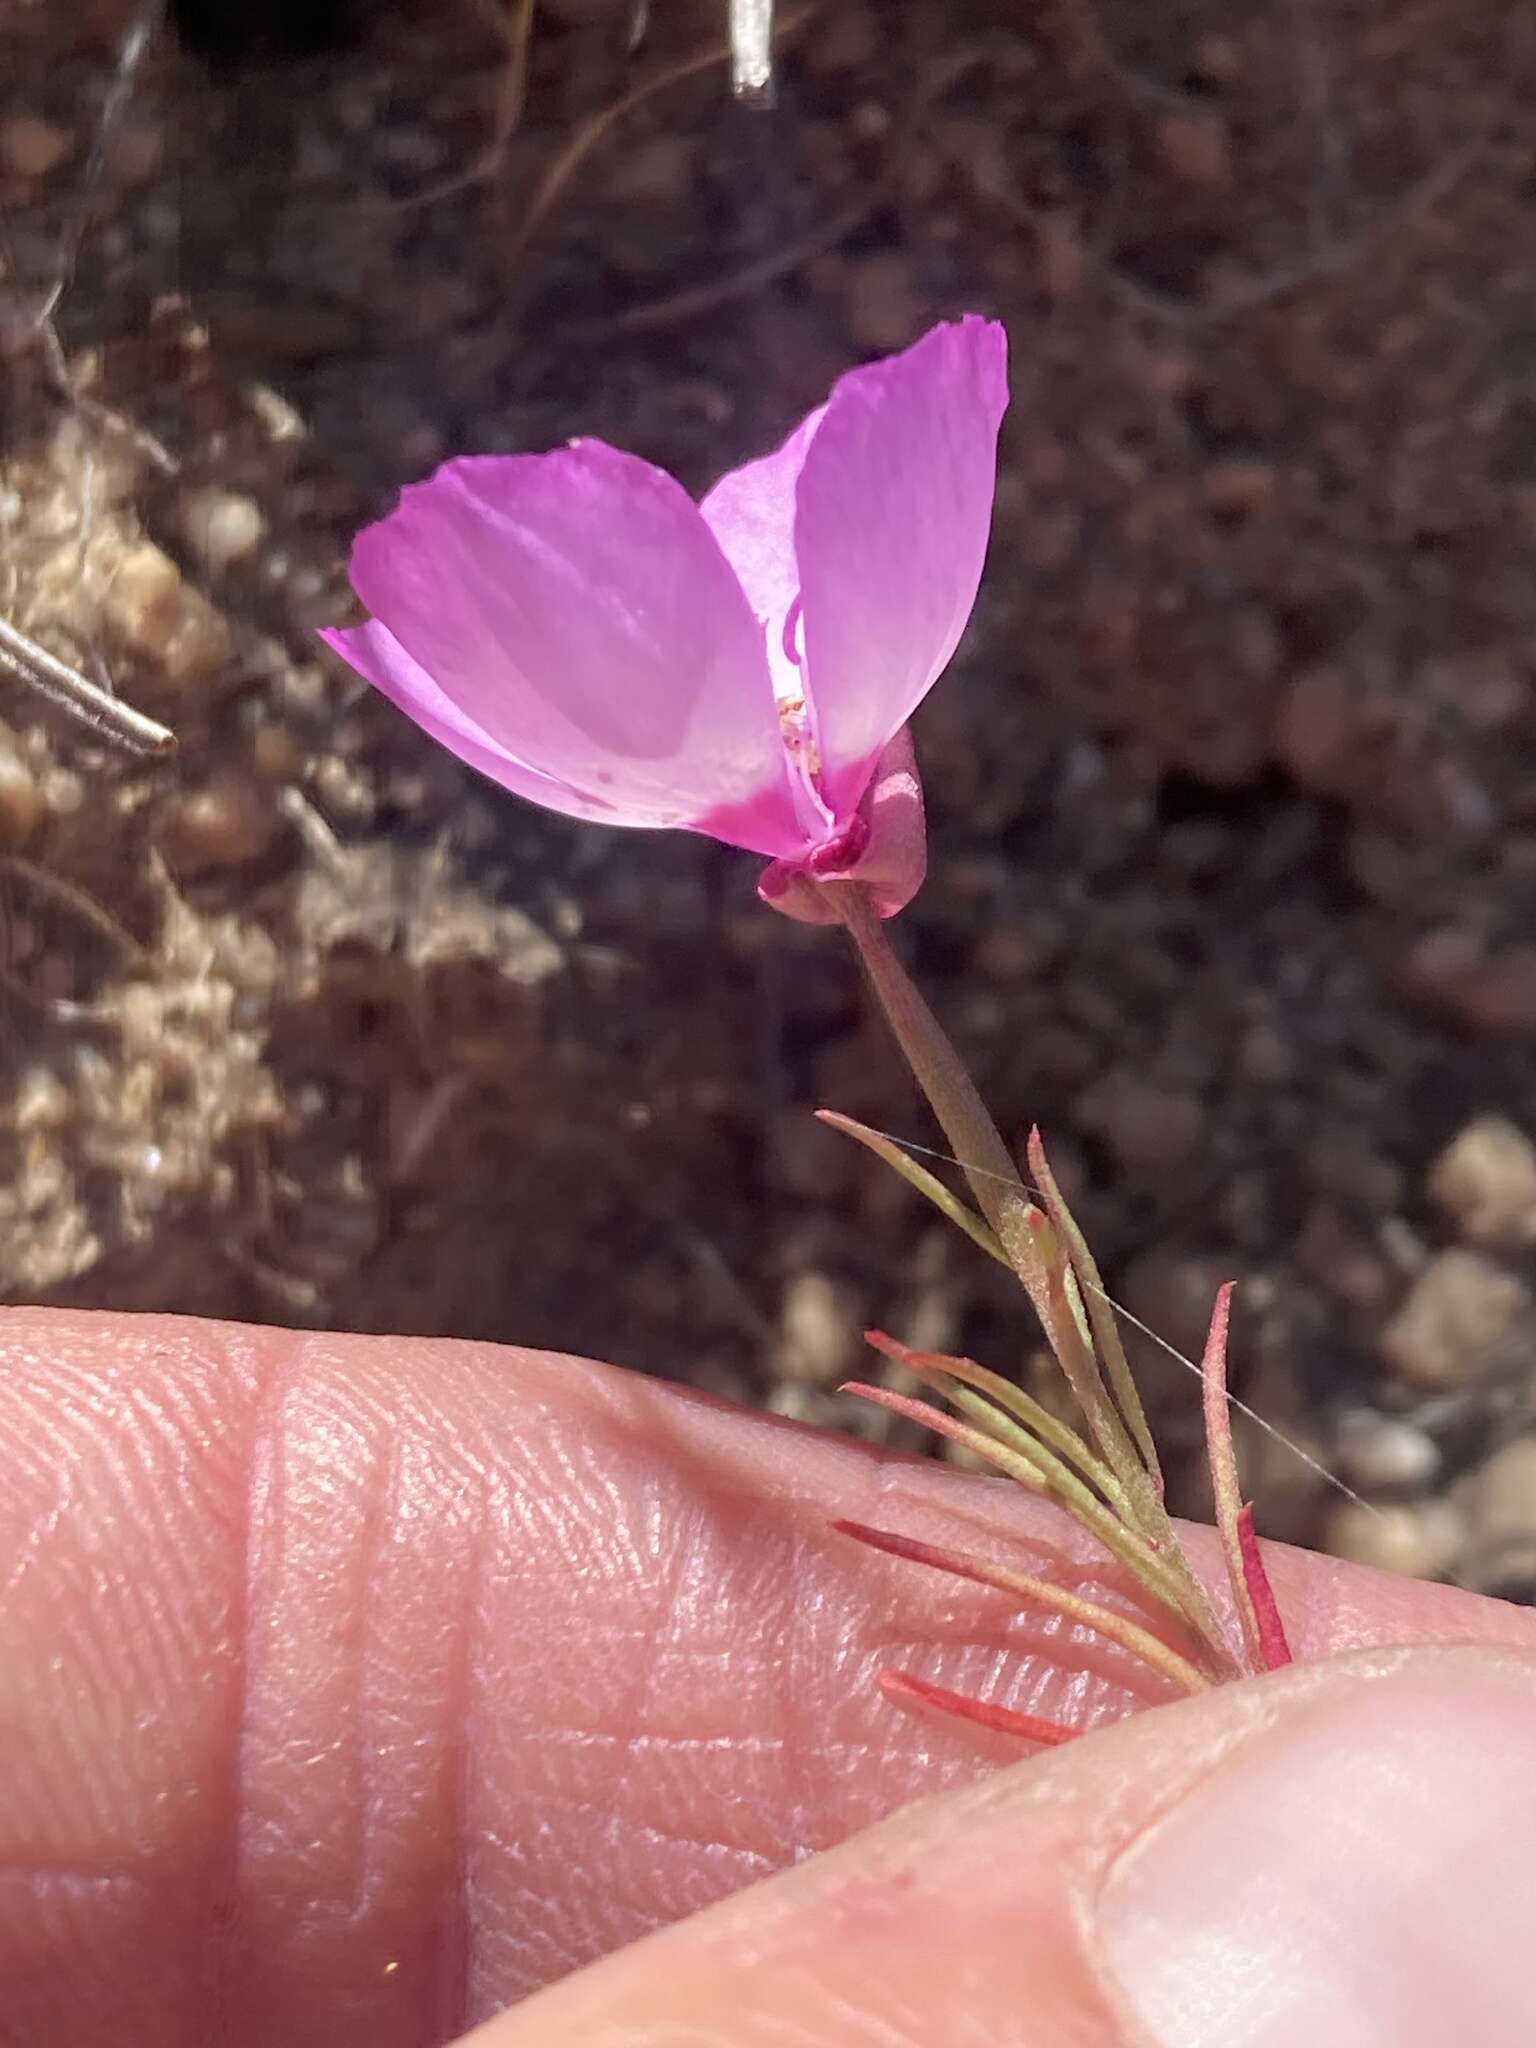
(1232, 788)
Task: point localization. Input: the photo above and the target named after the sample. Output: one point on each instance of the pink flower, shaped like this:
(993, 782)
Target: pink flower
(575, 627)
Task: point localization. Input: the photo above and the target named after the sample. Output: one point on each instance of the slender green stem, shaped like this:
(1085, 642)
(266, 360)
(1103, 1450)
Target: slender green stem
(1027, 1238)
(973, 1137)
(988, 1165)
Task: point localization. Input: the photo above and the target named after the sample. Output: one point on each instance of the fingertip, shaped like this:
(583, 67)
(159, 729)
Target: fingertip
(1265, 1864)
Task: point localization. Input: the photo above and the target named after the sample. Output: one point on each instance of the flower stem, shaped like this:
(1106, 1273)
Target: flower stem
(989, 1166)
(973, 1137)
(1111, 1482)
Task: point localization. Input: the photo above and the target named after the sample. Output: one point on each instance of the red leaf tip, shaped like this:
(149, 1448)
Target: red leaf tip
(1274, 1649)
(906, 1686)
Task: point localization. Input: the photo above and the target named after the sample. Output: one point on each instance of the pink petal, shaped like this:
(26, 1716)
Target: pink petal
(578, 615)
(751, 512)
(376, 654)
(894, 505)
(885, 848)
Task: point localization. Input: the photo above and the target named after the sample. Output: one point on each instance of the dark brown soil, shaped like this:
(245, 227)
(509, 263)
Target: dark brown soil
(1233, 786)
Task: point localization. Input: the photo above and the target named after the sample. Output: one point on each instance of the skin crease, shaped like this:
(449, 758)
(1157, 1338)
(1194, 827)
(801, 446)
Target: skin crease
(353, 1689)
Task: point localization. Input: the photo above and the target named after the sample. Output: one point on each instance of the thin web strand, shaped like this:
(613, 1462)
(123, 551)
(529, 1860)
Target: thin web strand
(1172, 1351)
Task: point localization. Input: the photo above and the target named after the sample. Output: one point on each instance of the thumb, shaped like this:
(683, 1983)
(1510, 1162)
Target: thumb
(1338, 1854)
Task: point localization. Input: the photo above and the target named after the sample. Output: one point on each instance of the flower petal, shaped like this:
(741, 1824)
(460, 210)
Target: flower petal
(886, 848)
(376, 654)
(893, 509)
(751, 512)
(576, 611)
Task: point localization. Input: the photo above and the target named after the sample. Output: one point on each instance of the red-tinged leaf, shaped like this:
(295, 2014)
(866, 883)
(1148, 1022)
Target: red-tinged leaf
(1273, 1647)
(906, 1685)
(1034, 1592)
(943, 1424)
(913, 1550)
(1221, 1457)
(892, 1347)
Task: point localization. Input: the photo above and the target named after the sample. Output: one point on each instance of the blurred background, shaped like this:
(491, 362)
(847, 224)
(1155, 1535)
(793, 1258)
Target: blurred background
(1232, 787)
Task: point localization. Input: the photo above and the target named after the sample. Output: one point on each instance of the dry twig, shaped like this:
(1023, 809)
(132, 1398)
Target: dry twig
(515, 28)
(76, 694)
(591, 132)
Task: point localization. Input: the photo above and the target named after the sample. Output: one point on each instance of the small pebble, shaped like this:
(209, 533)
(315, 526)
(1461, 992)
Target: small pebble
(1459, 1313)
(1384, 1453)
(1491, 988)
(1342, 1258)
(1345, 1165)
(1238, 488)
(932, 1323)
(159, 617)
(1022, 947)
(886, 305)
(1060, 254)
(1485, 1180)
(818, 1328)
(276, 753)
(1416, 1539)
(810, 1159)
(841, 39)
(657, 173)
(224, 824)
(1320, 729)
(41, 1101)
(21, 800)
(137, 152)
(32, 148)
(1216, 60)
(221, 526)
(1174, 1293)
(1266, 1057)
(869, 121)
(1500, 1503)
(62, 790)
(1502, 1491)
(1197, 149)
(1148, 1127)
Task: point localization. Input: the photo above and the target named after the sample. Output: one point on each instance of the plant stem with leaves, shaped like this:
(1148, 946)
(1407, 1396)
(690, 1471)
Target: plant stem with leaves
(1106, 1474)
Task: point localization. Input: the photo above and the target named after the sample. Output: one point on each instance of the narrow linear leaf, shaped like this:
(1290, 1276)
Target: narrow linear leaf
(1157, 1574)
(1078, 1361)
(1274, 1649)
(927, 1184)
(1023, 1586)
(907, 1686)
(936, 1368)
(1105, 1329)
(1222, 1460)
(1135, 1465)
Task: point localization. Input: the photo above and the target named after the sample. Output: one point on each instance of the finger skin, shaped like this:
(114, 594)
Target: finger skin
(351, 1689)
(1020, 1912)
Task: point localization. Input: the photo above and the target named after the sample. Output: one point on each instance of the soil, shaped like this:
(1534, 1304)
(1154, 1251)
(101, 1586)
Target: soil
(1232, 786)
